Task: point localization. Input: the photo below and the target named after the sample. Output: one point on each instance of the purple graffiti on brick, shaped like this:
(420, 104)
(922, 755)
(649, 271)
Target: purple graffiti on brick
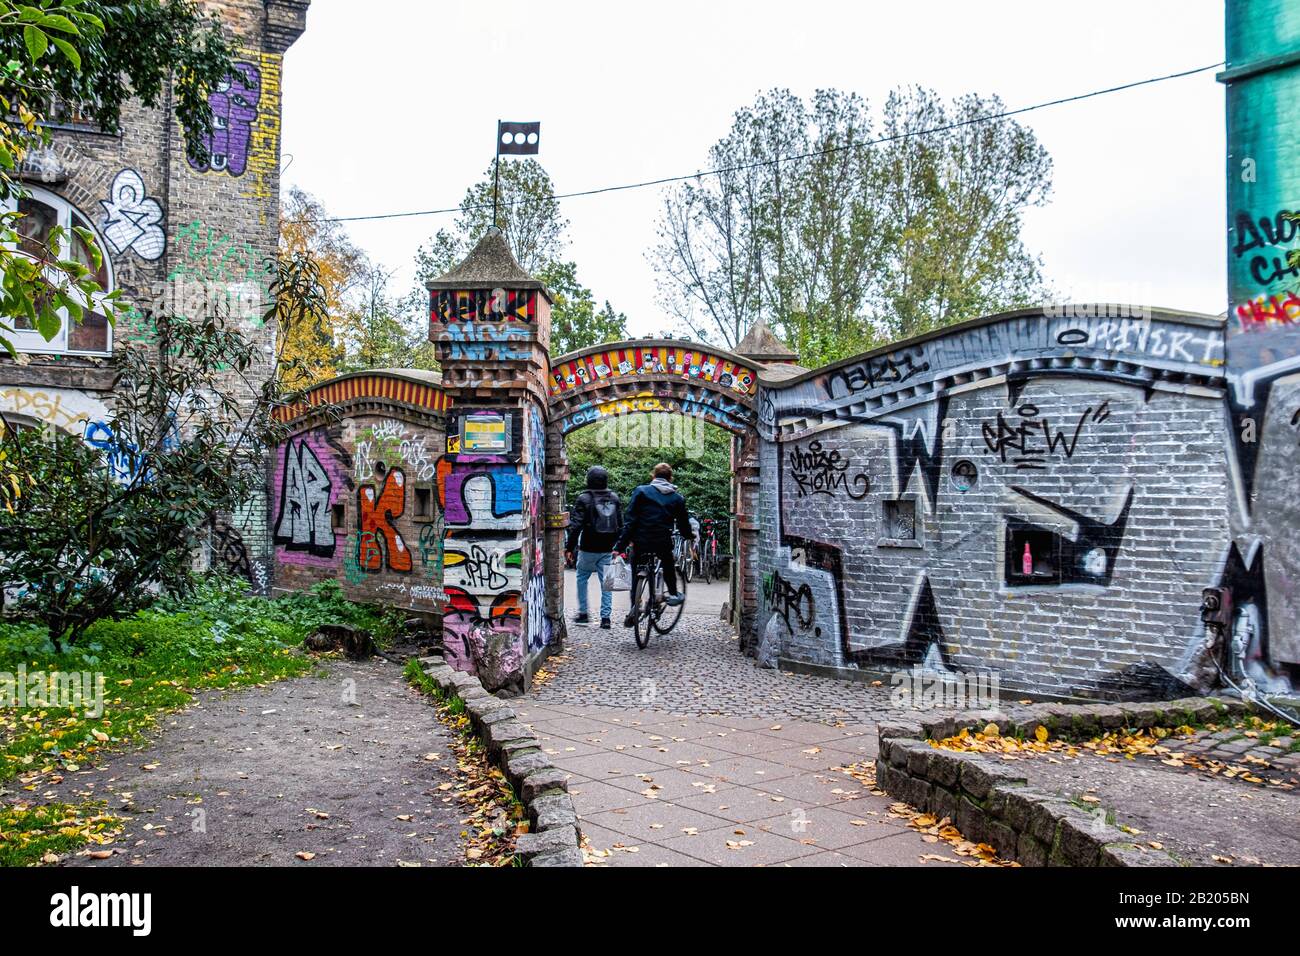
(234, 110)
(507, 486)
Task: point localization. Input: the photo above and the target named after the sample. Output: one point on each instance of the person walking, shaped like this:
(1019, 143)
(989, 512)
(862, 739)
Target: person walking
(595, 521)
(652, 513)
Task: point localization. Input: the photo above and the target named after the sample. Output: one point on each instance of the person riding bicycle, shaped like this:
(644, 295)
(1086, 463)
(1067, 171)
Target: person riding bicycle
(652, 512)
(595, 520)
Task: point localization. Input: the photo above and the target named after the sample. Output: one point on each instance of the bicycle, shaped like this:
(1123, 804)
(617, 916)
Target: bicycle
(683, 558)
(710, 568)
(650, 605)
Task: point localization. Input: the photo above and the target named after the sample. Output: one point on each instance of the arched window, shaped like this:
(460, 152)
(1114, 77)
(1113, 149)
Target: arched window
(41, 212)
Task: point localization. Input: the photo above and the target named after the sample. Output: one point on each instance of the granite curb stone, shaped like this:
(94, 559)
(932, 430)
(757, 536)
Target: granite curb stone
(540, 786)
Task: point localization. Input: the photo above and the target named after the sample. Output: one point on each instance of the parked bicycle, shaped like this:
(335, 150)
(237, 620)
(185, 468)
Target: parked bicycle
(650, 604)
(683, 556)
(710, 558)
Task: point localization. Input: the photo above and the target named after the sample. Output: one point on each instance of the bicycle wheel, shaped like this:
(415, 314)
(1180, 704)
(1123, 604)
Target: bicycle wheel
(663, 617)
(641, 603)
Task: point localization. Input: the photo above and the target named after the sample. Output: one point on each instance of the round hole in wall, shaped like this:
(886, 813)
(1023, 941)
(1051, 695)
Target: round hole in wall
(964, 475)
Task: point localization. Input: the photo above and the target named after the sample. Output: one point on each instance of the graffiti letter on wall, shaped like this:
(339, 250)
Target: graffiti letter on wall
(304, 523)
(123, 458)
(793, 605)
(376, 514)
(1031, 451)
(234, 108)
(819, 472)
(131, 218)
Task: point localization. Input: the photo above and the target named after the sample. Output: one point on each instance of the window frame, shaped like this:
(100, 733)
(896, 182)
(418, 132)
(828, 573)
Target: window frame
(31, 341)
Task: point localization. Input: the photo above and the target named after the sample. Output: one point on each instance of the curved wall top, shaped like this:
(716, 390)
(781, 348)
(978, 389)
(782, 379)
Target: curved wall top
(1141, 348)
(416, 389)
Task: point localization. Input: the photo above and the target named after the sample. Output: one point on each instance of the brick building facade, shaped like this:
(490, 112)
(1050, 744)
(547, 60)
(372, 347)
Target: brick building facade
(170, 229)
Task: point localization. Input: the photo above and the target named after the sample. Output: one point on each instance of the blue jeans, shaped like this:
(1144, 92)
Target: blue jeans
(589, 563)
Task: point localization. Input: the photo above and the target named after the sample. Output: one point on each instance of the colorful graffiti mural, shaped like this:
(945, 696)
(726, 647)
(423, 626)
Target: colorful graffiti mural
(469, 306)
(493, 565)
(263, 164)
(711, 406)
(483, 635)
(539, 624)
(351, 507)
(1263, 338)
(482, 564)
(481, 491)
(627, 361)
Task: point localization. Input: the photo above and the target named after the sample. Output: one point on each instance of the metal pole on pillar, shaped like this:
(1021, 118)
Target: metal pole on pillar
(496, 177)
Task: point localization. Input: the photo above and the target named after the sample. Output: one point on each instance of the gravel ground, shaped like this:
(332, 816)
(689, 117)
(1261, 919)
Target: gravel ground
(287, 768)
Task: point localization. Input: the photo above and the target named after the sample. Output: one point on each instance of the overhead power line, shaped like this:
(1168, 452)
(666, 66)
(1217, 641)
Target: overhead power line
(907, 134)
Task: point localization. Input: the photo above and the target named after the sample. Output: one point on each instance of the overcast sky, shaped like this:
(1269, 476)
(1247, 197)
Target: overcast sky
(391, 105)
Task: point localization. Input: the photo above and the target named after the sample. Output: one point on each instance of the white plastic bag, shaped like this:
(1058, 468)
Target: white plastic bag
(618, 575)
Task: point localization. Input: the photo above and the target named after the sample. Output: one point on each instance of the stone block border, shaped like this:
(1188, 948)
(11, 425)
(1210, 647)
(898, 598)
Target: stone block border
(991, 803)
(540, 786)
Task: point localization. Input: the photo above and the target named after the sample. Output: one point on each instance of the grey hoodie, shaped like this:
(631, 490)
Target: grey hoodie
(664, 486)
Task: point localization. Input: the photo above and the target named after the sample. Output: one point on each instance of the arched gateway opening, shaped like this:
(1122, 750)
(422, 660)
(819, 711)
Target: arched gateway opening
(663, 377)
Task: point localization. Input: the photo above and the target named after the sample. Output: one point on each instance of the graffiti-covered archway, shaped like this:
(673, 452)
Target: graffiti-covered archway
(672, 377)
(657, 375)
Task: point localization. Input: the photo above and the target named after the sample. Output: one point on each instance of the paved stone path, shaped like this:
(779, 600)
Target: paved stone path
(686, 754)
(1275, 759)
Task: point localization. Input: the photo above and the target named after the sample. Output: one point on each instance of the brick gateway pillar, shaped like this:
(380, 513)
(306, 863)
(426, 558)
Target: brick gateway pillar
(491, 323)
(775, 362)
(501, 482)
(557, 523)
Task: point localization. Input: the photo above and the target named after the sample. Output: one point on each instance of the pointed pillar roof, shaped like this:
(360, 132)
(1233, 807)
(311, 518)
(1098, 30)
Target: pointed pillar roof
(762, 345)
(489, 265)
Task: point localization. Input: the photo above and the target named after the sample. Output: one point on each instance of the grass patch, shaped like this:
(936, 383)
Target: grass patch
(42, 832)
(148, 665)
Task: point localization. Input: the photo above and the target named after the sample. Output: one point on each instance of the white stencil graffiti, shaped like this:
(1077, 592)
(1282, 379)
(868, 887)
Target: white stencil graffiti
(131, 218)
(389, 441)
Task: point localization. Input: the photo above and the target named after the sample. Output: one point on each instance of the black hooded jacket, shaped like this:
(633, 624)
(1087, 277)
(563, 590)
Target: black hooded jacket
(583, 535)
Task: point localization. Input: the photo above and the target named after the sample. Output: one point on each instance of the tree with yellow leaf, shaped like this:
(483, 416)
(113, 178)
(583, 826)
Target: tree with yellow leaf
(313, 351)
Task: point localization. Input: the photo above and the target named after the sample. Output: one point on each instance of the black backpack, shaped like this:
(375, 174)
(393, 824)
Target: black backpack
(604, 513)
